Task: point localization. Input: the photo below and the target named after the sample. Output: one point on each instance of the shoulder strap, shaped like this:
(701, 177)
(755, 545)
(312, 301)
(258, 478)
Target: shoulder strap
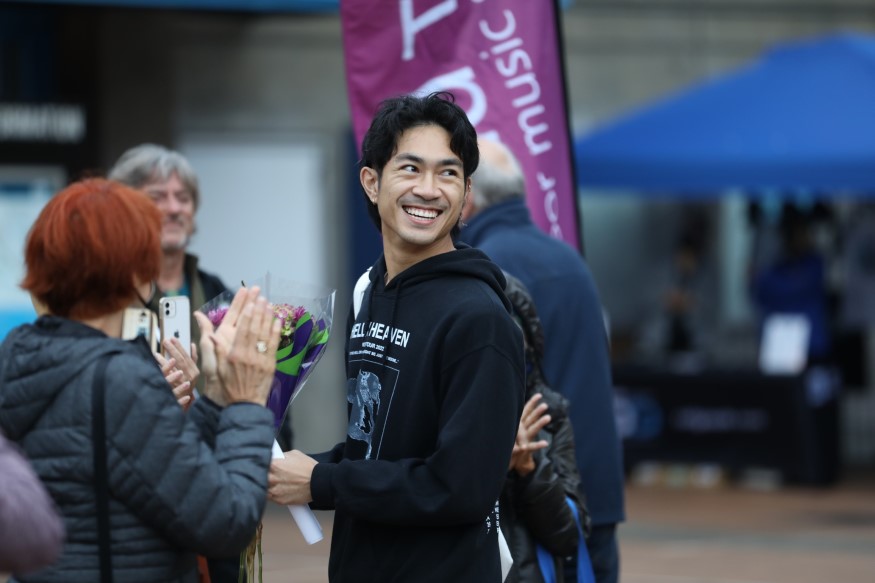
(358, 292)
(584, 565)
(101, 479)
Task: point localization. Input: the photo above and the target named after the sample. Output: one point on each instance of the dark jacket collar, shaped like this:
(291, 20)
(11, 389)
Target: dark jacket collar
(512, 214)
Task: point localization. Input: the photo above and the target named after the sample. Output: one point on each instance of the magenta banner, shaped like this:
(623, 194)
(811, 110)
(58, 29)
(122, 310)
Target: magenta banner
(501, 60)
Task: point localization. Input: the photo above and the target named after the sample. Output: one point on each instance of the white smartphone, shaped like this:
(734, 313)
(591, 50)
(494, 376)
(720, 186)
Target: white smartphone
(140, 322)
(175, 315)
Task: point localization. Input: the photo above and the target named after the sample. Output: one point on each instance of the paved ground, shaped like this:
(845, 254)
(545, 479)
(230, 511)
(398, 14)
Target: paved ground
(740, 536)
(687, 535)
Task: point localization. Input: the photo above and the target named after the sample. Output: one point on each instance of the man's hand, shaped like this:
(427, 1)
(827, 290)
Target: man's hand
(533, 419)
(289, 479)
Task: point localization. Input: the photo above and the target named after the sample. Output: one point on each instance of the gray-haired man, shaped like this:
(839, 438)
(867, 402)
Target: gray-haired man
(168, 179)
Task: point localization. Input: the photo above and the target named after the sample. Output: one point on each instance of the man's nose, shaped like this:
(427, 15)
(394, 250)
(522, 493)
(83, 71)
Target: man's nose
(172, 205)
(426, 186)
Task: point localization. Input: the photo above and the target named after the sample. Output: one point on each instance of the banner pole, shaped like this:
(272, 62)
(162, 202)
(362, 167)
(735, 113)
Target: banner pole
(563, 75)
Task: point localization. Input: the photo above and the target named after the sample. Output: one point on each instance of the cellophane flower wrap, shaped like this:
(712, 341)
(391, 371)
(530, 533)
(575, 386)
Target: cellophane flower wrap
(306, 312)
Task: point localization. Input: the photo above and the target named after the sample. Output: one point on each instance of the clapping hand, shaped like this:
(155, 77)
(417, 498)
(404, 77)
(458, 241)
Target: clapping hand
(180, 370)
(239, 357)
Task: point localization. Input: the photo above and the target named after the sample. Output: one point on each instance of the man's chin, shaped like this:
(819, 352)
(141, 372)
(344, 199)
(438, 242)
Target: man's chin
(174, 245)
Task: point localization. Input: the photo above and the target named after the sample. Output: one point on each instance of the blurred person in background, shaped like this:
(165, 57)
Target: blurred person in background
(176, 483)
(794, 282)
(576, 352)
(169, 180)
(680, 332)
(543, 477)
(31, 532)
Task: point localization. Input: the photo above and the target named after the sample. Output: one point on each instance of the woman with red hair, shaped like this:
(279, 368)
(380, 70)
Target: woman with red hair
(161, 484)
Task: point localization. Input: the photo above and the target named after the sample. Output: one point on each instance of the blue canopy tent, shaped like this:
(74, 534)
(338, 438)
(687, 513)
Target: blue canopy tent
(802, 117)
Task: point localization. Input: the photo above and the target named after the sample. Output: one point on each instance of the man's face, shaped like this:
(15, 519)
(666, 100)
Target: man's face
(420, 194)
(176, 204)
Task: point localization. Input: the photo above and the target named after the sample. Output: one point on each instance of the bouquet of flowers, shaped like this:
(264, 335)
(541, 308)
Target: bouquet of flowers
(306, 313)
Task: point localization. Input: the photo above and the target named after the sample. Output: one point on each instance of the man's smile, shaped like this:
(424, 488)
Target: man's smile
(422, 213)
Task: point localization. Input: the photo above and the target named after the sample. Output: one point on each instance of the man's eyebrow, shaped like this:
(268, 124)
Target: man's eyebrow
(404, 156)
(156, 188)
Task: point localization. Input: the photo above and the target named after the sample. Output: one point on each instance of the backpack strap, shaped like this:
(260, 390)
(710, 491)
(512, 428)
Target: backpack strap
(584, 565)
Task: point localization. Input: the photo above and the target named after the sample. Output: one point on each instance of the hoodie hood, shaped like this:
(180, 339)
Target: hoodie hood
(464, 261)
(37, 361)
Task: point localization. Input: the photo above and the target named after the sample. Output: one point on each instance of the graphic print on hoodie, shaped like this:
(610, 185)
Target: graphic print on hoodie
(364, 395)
(376, 382)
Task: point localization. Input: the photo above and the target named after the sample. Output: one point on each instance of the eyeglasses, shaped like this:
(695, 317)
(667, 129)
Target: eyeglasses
(153, 289)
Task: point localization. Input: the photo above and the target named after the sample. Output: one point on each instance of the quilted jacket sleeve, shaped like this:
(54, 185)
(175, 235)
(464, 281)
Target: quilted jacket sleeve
(206, 416)
(206, 499)
(562, 453)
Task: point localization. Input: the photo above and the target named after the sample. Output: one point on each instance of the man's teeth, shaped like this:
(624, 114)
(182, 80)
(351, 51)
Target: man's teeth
(422, 213)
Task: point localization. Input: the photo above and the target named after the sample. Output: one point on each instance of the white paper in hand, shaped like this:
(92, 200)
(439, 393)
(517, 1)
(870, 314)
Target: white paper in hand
(304, 517)
(504, 555)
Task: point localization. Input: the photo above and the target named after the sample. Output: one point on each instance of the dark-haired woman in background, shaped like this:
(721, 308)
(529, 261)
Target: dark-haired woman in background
(543, 475)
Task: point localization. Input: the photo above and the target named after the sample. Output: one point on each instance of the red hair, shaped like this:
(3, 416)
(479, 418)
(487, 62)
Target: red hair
(89, 246)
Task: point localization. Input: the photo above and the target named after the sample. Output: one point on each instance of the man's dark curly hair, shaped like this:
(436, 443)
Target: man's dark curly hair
(398, 114)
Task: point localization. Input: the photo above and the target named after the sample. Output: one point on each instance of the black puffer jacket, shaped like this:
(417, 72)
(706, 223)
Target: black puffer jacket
(533, 507)
(179, 483)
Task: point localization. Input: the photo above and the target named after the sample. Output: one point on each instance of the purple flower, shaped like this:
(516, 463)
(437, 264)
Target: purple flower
(216, 316)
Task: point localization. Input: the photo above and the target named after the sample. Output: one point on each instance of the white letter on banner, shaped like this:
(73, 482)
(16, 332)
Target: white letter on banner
(502, 34)
(534, 89)
(460, 79)
(532, 131)
(551, 204)
(410, 24)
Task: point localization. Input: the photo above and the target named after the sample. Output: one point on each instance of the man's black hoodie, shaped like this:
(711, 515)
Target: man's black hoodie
(436, 383)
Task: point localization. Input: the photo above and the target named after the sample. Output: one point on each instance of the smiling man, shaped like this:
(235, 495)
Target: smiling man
(435, 372)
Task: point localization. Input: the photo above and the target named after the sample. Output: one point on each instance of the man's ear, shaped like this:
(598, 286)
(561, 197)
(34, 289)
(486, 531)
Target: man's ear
(370, 182)
(468, 209)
